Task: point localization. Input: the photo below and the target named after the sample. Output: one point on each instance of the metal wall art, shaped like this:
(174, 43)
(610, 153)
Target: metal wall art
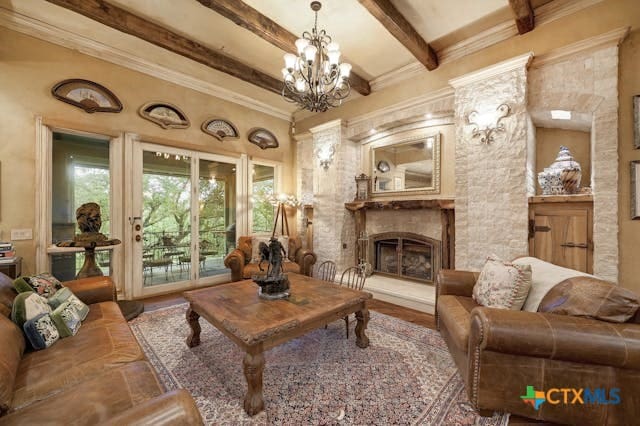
(486, 124)
(91, 97)
(263, 138)
(220, 129)
(164, 115)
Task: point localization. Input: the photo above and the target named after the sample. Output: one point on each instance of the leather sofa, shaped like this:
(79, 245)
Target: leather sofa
(301, 261)
(98, 376)
(500, 352)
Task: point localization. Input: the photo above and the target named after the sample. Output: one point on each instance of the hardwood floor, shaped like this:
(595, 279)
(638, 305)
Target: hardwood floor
(406, 314)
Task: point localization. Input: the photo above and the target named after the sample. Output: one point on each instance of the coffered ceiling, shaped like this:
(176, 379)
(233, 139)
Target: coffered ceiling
(237, 47)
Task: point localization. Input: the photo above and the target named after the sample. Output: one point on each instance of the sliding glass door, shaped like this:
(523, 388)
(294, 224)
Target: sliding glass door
(184, 221)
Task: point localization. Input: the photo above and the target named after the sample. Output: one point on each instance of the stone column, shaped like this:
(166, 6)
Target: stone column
(333, 225)
(491, 178)
(304, 178)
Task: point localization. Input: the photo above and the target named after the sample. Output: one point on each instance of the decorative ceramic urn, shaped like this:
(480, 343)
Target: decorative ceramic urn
(563, 176)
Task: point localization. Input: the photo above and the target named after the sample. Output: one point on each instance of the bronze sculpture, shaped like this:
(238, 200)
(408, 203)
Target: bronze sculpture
(274, 284)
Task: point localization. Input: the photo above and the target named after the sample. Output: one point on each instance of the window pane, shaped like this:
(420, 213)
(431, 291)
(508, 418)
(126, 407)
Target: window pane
(217, 215)
(80, 174)
(263, 188)
(166, 217)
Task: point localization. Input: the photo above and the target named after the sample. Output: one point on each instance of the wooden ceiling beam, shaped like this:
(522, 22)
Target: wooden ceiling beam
(525, 18)
(249, 18)
(385, 12)
(123, 20)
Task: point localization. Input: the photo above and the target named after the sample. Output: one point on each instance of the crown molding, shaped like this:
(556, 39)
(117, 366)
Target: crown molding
(608, 39)
(406, 72)
(62, 37)
(521, 61)
(557, 9)
(303, 136)
(409, 103)
(327, 126)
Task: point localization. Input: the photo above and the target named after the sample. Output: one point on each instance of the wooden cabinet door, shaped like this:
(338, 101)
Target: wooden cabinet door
(562, 236)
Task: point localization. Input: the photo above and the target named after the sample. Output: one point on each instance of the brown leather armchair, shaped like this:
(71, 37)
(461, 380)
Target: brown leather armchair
(301, 261)
(500, 352)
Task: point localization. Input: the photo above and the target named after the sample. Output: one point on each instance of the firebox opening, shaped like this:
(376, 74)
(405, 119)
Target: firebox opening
(406, 255)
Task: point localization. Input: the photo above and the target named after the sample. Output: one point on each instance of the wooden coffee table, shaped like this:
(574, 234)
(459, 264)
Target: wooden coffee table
(256, 324)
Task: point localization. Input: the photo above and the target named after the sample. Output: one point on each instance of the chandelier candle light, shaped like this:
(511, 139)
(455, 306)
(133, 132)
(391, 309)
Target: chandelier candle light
(315, 79)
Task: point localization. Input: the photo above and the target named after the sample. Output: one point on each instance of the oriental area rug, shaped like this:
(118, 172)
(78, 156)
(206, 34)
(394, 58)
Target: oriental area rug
(405, 377)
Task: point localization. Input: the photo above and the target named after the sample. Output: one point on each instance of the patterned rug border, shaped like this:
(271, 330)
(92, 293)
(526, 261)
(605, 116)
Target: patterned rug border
(434, 414)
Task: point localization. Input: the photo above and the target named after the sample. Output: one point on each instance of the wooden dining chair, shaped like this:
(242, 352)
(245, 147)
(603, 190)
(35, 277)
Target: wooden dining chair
(327, 271)
(352, 278)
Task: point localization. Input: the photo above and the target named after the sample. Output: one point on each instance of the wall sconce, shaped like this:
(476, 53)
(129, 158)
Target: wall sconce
(486, 124)
(325, 154)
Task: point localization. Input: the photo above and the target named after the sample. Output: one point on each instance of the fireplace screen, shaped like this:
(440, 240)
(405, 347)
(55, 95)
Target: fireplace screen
(413, 257)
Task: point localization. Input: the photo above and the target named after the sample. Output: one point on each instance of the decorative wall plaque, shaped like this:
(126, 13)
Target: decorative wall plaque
(164, 115)
(263, 138)
(91, 97)
(220, 129)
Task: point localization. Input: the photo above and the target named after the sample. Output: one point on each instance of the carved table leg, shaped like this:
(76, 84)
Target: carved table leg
(194, 336)
(362, 341)
(253, 367)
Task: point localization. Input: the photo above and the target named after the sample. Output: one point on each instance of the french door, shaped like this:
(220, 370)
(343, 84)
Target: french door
(184, 217)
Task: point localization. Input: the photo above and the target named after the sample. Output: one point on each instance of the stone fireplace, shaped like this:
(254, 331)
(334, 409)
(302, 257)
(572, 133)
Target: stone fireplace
(405, 255)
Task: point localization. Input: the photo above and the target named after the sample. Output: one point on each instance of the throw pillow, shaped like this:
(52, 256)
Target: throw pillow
(255, 245)
(66, 295)
(28, 305)
(66, 319)
(544, 276)
(41, 332)
(502, 284)
(44, 284)
(592, 298)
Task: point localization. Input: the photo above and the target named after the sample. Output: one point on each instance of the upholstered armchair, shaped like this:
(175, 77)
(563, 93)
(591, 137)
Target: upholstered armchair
(501, 353)
(243, 265)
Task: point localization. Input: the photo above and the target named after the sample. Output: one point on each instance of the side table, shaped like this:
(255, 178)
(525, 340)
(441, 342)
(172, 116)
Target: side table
(12, 269)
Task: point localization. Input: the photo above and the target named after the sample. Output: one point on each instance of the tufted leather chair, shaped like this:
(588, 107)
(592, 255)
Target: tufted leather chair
(301, 261)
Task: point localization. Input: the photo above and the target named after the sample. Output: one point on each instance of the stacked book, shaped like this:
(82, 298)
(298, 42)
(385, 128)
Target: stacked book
(7, 253)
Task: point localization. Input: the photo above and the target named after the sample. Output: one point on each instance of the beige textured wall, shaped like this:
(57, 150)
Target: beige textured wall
(629, 85)
(30, 67)
(590, 22)
(548, 143)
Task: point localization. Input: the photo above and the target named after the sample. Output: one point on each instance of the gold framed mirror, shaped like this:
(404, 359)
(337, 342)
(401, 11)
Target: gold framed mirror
(406, 165)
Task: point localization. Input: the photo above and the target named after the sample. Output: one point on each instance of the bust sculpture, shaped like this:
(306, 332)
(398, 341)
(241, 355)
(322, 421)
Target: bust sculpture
(89, 221)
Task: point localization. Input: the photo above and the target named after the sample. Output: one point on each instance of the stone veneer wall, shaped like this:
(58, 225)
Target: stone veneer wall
(333, 225)
(304, 179)
(491, 179)
(588, 83)
(425, 222)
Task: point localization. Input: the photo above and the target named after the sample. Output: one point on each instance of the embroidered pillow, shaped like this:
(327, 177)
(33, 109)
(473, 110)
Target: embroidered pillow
(66, 295)
(66, 319)
(43, 284)
(26, 306)
(502, 284)
(41, 332)
(591, 298)
(255, 246)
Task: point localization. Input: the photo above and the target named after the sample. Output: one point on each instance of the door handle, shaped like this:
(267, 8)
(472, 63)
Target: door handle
(575, 245)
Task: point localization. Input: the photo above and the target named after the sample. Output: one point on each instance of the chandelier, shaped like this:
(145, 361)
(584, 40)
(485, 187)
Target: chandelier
(315, 79)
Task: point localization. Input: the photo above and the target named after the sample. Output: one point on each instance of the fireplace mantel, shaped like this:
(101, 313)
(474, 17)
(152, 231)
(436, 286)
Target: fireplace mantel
(441, 204)
(447, 214)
